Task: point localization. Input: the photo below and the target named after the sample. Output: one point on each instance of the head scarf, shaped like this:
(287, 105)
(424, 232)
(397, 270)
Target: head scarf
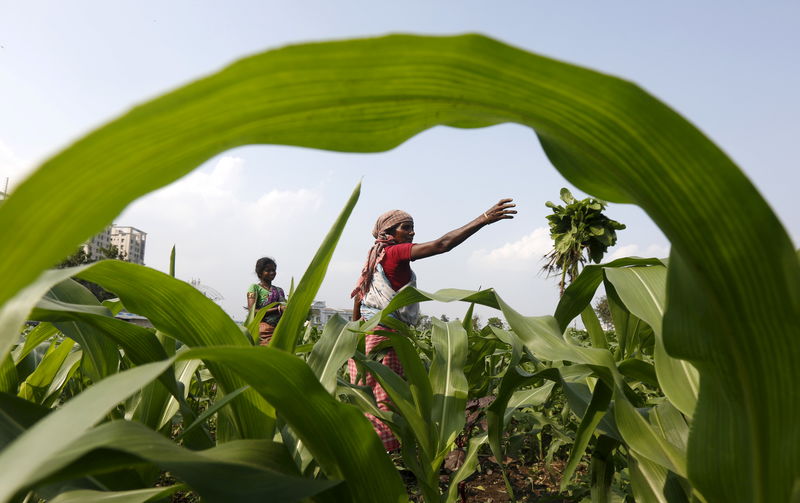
(376, 253)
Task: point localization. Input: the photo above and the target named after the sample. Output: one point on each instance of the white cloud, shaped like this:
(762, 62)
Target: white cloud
(634, 250)
(524, 254)
(219, 231)
(205, 198)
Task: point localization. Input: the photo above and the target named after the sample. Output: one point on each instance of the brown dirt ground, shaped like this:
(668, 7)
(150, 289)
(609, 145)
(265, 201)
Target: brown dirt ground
(532, 483)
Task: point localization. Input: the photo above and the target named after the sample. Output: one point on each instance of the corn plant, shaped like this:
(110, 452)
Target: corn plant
(429, 405)
(731, 294)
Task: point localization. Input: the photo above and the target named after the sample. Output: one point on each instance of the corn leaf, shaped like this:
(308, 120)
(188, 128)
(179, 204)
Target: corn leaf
(590, 420)
(134, 496)
(25, 455)
(336, 344)
(357, 457)
(242, 470)
(288, 328)
(35, 387)
(184, 313)
(100, 356)
(643, 291)
(448, 382)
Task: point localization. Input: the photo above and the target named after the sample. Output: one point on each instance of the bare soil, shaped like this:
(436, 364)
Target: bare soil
(531, 483)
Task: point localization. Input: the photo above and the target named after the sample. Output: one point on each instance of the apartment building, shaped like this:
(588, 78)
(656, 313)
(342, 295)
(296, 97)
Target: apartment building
(93, 248)
(130, 241)
(321, 313)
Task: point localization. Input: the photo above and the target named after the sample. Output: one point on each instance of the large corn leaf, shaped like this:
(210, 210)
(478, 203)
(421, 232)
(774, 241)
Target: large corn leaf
(317, 420)
(448, 382)
(16, 415)
(643, 291)
(243, 470)
(24, 456)
(140, 345)
(733, 302)
(580, 292)
(135, 496)
(336, 344)
(34, 388)
(184, 313)
(14, 312)
(542, 336)
(100, 356)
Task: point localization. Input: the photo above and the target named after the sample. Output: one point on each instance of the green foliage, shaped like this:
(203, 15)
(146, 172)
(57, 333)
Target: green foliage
(579, 231)
(603, 311)
(496, 322)
(81, 257)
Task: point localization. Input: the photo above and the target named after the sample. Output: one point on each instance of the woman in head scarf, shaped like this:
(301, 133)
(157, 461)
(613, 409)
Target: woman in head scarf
(388, 269)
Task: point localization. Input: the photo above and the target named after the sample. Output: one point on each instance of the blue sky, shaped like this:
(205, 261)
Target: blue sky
(66, 67)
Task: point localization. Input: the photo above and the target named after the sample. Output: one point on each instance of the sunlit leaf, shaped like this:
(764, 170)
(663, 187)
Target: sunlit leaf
(25, 456)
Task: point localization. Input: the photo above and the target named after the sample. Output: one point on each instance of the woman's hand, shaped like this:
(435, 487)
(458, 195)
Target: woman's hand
(500, 211)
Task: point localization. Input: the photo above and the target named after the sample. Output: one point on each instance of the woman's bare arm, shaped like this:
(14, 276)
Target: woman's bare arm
(500, 211)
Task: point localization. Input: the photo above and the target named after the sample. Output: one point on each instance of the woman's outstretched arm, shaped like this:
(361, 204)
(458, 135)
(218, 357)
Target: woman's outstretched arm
(500, 211)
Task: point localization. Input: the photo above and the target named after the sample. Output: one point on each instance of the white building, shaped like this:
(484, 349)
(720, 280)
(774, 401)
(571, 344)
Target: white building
(320, 313)
(130, 241)
(93, 247)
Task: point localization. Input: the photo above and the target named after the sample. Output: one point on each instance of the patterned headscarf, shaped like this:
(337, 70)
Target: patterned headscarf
(376, 253)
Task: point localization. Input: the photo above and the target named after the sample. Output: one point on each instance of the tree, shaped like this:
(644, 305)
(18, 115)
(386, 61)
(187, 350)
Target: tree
(496, 322)
(424, 323)
(444, 318)
(476, 323)
(579, 231)
(81, 257)
(604, 313)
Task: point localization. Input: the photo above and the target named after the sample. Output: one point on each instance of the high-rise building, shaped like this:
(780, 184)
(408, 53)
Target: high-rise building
(130, 242)
(94, 247)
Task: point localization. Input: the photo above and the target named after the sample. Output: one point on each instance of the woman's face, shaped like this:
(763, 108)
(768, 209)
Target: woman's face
(269, 273)
(404, 233)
